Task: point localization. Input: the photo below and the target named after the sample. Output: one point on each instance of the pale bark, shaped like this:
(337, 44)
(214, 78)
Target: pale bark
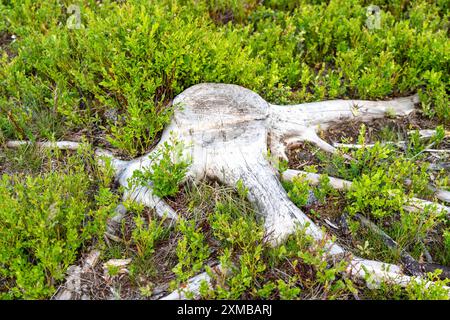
(61, 145)
(192, 287)
(428, 133)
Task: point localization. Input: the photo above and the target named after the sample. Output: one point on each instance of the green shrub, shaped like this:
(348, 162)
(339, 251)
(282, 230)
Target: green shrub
(413, 228)
(446, 237)
(192, 252)
(166, 172)
(241, 254)
(146, 234)
(420, 291)
(298, 190)
(383, 190)
(324, 188)
(375, 195)
(379, 175)
(249, 264)
(118, 74)
(45, 220)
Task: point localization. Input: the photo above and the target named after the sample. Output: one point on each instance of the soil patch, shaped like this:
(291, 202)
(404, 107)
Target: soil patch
(5, 41)
(384, 129)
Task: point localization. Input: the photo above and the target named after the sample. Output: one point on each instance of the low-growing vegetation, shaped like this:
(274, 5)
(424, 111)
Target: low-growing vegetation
(105, 73)
(385, 178)
(46, 218)
(113, 75)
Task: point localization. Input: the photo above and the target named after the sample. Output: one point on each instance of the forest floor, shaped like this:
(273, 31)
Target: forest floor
(106, 78)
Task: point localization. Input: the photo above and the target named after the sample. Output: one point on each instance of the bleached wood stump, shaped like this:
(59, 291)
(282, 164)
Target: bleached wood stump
(228, 130)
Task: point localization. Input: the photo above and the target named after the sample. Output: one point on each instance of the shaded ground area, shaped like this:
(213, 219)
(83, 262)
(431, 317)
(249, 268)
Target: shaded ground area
(5, 41)
(383, 129)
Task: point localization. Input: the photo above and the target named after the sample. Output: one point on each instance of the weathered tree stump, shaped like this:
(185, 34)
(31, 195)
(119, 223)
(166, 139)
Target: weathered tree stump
(227, 131)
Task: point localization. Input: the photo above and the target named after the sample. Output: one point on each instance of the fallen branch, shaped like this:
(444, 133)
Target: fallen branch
(375, 273)
(61, 145)
(440, 194)
(72, 288)
(439, 166)
(443, 195)
(437, 150)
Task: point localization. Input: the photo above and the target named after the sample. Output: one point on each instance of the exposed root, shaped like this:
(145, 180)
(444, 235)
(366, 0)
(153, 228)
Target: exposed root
(72, 289)
(428, 133)
(360, 146)
(279, 143)
(439, 166)
(319, 115)
(145, 196)
(101, 154)
(296, 123)
(416, 204)
(314, 179)
(436, 150)
(442, 195)
(426, 253)
(375, 273)
(113, 224)
(61, 145)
